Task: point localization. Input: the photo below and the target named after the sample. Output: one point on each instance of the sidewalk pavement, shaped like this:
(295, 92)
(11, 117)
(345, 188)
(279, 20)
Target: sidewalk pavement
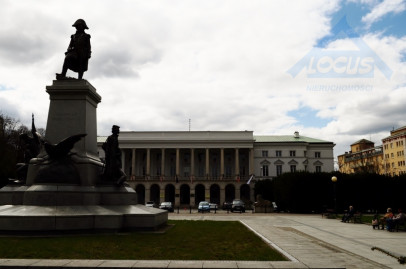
(309, 241)
(317, 242)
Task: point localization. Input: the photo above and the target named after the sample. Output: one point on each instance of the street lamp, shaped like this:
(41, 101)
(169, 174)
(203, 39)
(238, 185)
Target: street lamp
(334, 180)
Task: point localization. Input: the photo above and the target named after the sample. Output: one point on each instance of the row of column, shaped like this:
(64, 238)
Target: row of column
(193, 196)
(192, 161)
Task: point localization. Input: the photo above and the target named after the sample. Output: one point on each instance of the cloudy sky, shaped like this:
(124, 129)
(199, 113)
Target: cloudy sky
(333, 70)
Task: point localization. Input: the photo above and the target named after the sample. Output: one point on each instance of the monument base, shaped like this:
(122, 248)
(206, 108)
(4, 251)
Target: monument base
(67, 195)
(69, 207)
(25, 218)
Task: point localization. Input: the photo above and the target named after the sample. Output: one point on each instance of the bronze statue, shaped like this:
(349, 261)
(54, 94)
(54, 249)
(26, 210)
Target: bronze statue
(62, 149)
(78, 53)
(112, 170)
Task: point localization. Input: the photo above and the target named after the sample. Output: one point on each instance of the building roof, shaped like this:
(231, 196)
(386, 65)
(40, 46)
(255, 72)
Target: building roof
(287, 138)
(396, 133)
(399, 129)
(266, 139)
(362, 141)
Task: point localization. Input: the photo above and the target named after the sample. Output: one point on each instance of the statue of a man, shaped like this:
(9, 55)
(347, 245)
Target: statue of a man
(79, 51)
(112, 170)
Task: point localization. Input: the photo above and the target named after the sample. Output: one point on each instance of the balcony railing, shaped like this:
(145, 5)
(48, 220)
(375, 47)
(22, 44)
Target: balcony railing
(186, 178)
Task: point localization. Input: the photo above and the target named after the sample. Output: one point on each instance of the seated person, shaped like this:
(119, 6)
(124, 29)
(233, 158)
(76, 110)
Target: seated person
(388, 215)
(375, 222)
(348, 215)
(396, 220)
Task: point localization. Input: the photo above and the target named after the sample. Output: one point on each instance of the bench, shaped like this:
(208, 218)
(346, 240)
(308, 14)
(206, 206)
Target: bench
(356, 218)
(329, 213)
(400, 226)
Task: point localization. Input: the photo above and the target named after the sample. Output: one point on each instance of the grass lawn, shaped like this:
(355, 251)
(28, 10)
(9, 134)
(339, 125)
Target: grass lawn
(186, 240)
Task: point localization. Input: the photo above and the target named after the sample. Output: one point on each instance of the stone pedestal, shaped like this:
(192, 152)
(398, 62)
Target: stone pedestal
(72, 111)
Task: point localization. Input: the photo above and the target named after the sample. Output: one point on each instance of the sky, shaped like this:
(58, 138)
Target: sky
(332, 70)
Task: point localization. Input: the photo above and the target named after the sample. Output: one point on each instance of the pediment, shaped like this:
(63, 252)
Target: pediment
(292, 162)
(265, 162)
(279, 162)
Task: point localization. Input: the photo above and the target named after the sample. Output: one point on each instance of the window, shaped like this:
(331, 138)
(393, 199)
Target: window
(279, 170)
(318, 169)
(293, 168)
(186, 171)
(292, 153)
(265, 170)
(317, 154)
(201, 171)
(279, 153)
(172, 171)
(214, 171)
(229, 171)
(264, 153)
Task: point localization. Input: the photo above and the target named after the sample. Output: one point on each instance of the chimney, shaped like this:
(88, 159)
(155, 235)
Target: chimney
(296, 134)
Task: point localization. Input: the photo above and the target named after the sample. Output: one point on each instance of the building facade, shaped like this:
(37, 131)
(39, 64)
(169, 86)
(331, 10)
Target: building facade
(364, 157)
(188, 167)
(275, 155)
(394, 152)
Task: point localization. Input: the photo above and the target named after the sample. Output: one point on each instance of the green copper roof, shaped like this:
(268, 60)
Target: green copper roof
(287, 138)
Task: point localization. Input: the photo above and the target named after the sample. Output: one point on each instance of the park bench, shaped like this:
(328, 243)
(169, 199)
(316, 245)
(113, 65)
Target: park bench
(356, 218)
(329, 213)
(400, 226)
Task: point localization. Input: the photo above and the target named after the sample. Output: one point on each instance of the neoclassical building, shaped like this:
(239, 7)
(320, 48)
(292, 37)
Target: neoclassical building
(189, 167)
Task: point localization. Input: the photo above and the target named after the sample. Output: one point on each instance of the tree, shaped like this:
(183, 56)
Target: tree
(11, 153)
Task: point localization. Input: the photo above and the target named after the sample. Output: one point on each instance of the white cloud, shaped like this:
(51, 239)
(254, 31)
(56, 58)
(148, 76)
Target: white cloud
(222, 64)
(383, 8)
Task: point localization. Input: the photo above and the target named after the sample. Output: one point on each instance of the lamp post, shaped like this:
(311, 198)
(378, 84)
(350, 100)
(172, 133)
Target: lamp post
(334, 180)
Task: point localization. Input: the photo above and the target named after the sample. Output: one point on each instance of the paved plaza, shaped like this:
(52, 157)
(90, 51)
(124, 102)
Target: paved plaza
(309, 241)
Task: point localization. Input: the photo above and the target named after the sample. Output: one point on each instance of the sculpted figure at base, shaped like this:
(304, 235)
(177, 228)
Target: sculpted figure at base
(78, 53)
(112, 170)
(57, 166)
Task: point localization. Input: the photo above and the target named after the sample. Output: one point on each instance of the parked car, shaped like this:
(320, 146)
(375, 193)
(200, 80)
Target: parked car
(238, 205)
(213, 206)
(167, 206)
(227, 205)
(150, 204)
(203, 207)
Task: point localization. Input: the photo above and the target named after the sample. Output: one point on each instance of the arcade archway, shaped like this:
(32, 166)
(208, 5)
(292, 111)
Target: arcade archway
(199, 193)
(215, 194)
(184, 194)
(170, 193)
(140, 190)
(229, 193)
(154, 193)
